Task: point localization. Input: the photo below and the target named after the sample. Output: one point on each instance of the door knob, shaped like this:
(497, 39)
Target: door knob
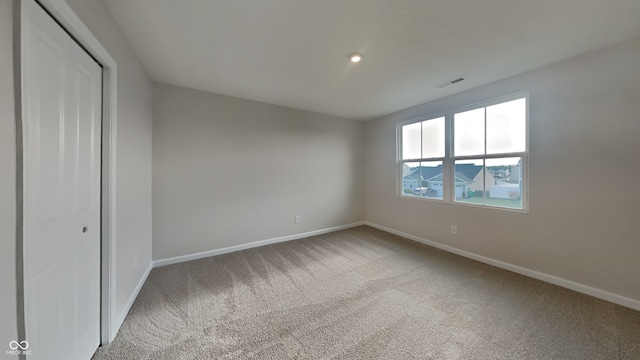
(85, 229)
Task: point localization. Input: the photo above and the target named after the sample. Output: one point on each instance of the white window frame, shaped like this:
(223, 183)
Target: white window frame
(448, 196)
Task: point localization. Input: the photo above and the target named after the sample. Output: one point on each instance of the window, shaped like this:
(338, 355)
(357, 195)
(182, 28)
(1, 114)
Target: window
(423, 141)
(474, 156)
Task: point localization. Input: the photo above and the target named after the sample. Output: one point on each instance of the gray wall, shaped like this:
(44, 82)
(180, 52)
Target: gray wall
(228, 171)
(135, 91)
(8, 326)
(584, 162)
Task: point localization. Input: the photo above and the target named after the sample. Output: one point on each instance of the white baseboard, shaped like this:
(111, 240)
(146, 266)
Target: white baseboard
(204, 254)
(585, 289)
(132, 298)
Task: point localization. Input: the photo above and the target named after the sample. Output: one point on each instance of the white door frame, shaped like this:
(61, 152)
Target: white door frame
(65, 16)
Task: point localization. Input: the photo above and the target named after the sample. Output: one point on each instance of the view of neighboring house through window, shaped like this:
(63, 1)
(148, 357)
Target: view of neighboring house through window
(472, 156)
(424, 141)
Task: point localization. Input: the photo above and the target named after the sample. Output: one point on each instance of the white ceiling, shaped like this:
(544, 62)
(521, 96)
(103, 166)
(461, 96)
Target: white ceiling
(295, 52)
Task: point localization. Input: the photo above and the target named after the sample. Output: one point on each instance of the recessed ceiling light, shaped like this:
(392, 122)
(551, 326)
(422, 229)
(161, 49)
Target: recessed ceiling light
(355, 58)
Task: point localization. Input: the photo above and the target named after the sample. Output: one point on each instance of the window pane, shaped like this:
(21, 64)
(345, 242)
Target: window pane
(433, 138)
(411, 141)
(470, 181)
(506, 176)
(422, 179)
(432, 175)
(506, 127)
(410, 178)
(469, 133)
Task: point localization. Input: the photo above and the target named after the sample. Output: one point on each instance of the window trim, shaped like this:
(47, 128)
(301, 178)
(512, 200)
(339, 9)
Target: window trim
(449, 159)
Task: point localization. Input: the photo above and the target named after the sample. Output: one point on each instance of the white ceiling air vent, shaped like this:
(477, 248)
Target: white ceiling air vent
(450, 82)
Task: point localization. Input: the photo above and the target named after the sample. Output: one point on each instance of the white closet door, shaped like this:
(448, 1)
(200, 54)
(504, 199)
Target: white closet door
(62, 88)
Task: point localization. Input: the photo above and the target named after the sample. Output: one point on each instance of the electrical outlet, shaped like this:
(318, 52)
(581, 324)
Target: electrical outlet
(454, 229)
(296, 219)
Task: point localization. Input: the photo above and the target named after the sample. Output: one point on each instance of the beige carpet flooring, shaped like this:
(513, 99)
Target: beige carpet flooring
(364, 294)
